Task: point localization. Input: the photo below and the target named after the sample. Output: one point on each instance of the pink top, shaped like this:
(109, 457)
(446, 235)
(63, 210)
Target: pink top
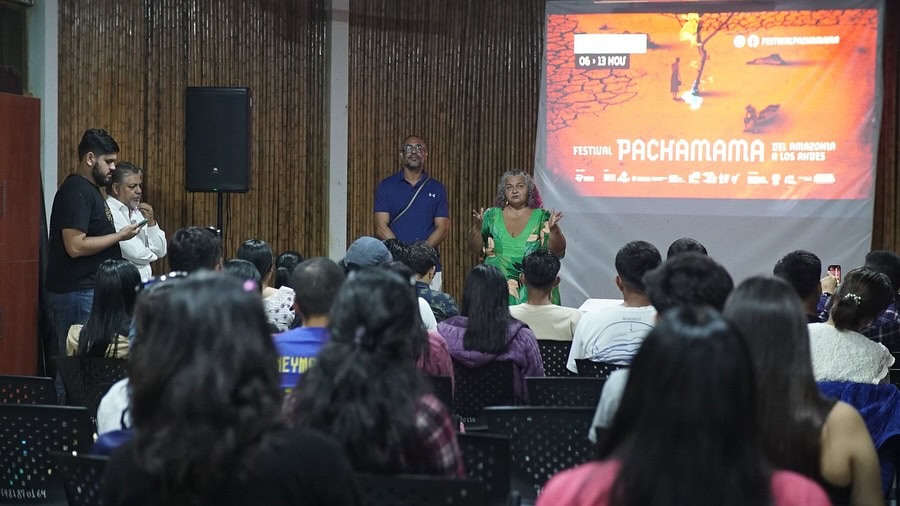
(437, 361)
(590, 485)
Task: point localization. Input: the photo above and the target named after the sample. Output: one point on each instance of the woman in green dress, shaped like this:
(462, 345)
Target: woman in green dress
(513, 228)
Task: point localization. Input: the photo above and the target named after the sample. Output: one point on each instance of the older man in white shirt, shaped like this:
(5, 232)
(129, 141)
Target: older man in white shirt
(124, 201)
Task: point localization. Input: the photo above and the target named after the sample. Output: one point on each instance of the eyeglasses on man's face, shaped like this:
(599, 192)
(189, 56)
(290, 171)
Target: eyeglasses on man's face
(413, 148)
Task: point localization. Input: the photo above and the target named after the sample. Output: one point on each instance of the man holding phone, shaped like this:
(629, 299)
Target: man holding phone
(124, 200)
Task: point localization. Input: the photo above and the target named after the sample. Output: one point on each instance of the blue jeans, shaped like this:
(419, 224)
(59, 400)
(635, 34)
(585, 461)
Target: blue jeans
(68, 309)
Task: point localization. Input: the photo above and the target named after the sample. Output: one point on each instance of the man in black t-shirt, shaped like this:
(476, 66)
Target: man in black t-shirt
(82, 233)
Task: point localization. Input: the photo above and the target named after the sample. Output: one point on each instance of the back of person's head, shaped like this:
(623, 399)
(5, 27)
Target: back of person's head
(770, 316)
(97, 141)
(316, 281)
(399, 249)
(114, 294)
(861, 296)
(284, 267)
(690, 396)
(690, 279)
(365, 252)
(203, 389)
(245, 272)
(633, 261)
(193, 248)
(802, 269)
(540, 269)
(259, 253)
(364, 385)
(685, 245)
(887, 263)
(420, 256)
(485, 302)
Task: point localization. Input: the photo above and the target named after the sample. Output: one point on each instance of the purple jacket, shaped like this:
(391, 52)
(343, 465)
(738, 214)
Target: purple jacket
(521, 349)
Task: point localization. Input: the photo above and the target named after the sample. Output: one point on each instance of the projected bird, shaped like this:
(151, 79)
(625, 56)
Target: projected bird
(754, 120)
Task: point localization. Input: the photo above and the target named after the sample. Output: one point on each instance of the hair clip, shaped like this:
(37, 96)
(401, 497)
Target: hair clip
(852, 297)
(250, 286)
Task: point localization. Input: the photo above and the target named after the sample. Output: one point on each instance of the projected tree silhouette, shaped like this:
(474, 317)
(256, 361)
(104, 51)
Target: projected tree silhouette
(698, 29)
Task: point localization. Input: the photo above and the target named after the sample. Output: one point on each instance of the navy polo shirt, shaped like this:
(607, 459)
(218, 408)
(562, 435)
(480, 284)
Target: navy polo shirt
(417, 223)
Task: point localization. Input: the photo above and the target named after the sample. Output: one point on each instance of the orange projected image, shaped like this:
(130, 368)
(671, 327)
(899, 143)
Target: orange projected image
(744, 105)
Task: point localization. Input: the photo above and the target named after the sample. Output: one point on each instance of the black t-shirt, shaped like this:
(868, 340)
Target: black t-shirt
(78, 204)
(294, 466)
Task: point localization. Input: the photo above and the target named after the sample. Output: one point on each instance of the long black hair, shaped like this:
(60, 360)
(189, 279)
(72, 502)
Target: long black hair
(485, 302)
(111, 310)
(768, 312)
(364, 386)
(259, 253)
(284, 267)
(203, 387)
(686, 429)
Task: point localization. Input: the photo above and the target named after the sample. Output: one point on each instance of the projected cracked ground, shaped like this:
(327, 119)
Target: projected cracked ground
(777, 105)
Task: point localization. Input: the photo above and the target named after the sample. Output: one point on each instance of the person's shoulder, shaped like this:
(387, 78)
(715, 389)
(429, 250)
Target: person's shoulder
(582, 485)
(790, 488)
(387, 180)
(842, 418)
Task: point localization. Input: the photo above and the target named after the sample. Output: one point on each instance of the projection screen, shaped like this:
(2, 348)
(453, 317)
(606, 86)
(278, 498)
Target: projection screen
(749, 126)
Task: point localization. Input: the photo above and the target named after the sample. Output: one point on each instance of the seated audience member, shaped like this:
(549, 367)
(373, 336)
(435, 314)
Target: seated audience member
(277, 301)
(284, 266)
(688, 279)
(613, 334)
(398, 248)
(244, 271)
(105, 334)
(432, 356)
(206, 409)
(839, 351)
(485, 331)
(364, 389)
(124, 202)
(318, 281)
(802, 431)
(685, 245)
(687, 431)
(801, 269)
(540, 274)
(365, 252)
(886, 327)
(423, 260)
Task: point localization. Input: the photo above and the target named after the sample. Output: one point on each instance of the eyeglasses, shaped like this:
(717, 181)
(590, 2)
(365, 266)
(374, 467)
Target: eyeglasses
(413, 148)
(520, 187)
(158, 280)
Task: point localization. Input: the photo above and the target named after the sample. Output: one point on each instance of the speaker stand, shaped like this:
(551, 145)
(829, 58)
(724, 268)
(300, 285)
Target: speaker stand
(220, 216)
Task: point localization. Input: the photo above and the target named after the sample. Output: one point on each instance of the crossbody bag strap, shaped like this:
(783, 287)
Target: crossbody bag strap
(413, 199)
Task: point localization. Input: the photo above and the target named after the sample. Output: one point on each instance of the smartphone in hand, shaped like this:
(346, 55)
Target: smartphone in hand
(142, 222)
(835, 270)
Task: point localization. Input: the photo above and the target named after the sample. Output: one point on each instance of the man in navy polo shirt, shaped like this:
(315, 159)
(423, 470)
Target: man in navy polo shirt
(411, 205)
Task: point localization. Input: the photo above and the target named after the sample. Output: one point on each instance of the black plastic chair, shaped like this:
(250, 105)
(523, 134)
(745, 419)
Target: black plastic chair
(895, 377)
(545, 440)
(27, 436)
(442, 386)
(27, 390)
(583, 392)
(82, 477)
(87, 379)
(418, 490)
(477, 387)
(589, 369)
(486, 457)
(555, 355)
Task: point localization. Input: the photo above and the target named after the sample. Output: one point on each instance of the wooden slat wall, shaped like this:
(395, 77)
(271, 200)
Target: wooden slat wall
(124, 66)
(462, 74)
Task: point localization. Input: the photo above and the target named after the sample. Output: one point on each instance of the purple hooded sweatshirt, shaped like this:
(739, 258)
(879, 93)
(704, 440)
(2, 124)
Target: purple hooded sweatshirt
(521, 349)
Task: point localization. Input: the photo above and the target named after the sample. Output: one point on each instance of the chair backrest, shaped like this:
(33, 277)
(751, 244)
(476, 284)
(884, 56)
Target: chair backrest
(442, 386)
(486, 457)
(27, 435)
(82, 476)
(545, 440)
(590, 369)
(555, 355)
(416, 490)
(477, 387)
(583, 392)
(27, 390)
(87, 379)
(895, 377)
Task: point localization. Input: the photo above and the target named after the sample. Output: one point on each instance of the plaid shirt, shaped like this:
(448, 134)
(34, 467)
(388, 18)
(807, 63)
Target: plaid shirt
(885, 329)
(435, 427)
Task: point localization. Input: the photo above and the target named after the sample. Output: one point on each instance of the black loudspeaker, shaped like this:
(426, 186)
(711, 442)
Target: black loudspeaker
(217, 139)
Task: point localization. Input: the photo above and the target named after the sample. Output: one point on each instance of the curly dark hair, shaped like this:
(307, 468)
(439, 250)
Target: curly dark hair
(533, 200)
(364, 386)
(203, 388)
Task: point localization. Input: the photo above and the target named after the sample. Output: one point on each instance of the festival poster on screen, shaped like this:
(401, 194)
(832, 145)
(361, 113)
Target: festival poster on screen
(724, 105)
